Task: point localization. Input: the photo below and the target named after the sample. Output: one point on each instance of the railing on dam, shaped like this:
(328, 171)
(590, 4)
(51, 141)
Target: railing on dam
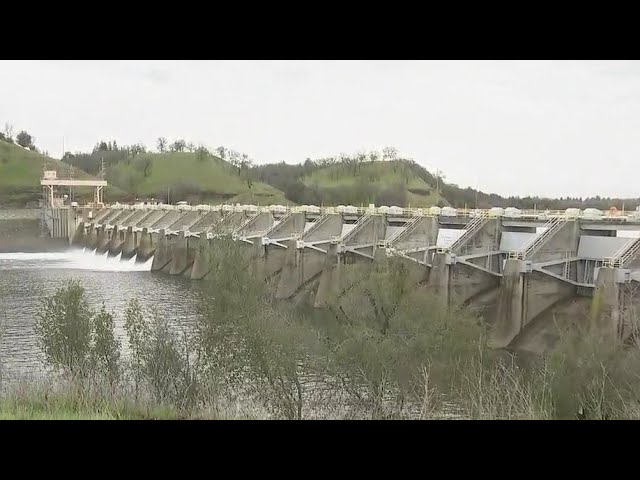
(390, 211)
(627, 252)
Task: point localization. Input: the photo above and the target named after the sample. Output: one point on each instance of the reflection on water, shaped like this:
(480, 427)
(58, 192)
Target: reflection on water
(25, 278)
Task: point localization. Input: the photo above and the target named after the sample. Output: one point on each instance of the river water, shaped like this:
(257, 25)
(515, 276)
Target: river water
(26, 278)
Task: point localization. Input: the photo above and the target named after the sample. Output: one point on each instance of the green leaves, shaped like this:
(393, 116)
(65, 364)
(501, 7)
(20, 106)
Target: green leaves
(64, 327)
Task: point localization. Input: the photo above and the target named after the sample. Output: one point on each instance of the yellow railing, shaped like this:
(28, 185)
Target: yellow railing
(390, 211)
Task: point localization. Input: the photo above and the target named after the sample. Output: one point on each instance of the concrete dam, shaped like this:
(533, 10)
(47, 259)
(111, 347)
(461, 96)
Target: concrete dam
(531, 276)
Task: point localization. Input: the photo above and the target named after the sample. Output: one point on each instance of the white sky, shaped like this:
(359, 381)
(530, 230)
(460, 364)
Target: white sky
(552, 128)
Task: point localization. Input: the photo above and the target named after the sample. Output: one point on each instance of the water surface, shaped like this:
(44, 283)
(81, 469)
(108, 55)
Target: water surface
(25, 278)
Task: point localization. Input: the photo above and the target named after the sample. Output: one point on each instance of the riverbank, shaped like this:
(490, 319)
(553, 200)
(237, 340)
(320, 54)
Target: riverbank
(40, 405)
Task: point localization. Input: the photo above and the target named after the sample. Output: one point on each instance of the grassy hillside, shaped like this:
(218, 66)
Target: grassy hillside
(189, 177)
(390, 183)
(21, 171)
(347, 182)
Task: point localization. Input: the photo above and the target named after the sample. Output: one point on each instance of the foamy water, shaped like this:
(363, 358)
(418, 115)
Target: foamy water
(73, 260)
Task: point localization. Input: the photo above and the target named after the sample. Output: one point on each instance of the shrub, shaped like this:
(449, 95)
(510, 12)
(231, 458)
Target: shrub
(63, 327)
(105, 352)
(158, 358)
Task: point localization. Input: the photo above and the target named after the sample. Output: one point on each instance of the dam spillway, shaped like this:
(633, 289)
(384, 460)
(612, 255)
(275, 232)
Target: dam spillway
(523, 272)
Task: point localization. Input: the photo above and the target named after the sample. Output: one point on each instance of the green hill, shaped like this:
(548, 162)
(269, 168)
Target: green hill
(401, 182)
(21, 171)
(383, 183)
(190, 177)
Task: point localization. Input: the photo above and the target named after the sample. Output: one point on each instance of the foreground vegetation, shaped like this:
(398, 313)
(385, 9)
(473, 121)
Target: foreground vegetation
(383, 350)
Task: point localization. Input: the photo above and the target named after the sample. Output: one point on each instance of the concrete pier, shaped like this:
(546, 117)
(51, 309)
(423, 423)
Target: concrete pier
(93, 236)
(116, 241)
(130, 245)
(163, 255)
(201, 260)
(346, 256)
(183, 256)
(103, 239)
(272, 249)
(304, 263)
(146, 247)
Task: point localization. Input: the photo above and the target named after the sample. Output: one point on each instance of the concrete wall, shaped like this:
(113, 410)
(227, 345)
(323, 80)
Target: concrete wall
(562, 244)
(486, 239)
(467, 282)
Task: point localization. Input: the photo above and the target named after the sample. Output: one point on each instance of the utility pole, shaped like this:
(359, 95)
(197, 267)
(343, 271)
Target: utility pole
(476, 193)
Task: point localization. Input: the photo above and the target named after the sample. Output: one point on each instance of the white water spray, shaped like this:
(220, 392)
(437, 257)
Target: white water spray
(73, 260)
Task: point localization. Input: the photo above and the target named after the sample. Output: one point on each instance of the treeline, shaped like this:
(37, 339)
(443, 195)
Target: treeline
(23, 138)
(106, 153)
(469, 197)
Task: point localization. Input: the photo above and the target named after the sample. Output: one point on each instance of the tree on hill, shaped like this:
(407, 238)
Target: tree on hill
(389, 153)
(101, 146)
(245, 169)
(137, 149)
(178, 146)
(162, 144)
(222, 152)
(25, 140)
(143, 165)
(8, 132)
(202, 153)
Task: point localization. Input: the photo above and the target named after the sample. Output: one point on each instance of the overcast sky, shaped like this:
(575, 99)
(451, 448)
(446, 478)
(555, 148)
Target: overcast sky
(552, 128)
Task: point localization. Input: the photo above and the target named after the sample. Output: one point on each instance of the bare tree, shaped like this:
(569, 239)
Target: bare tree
(245, 167)
(178, 146)
(234, 159)
(389, 153)
(8, 131)
(162, 144)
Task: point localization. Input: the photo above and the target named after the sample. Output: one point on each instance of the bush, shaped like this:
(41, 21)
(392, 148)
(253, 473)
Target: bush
(250, 347)
(75, 339)
(105, 352)
(63, 328)
(158, 358)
